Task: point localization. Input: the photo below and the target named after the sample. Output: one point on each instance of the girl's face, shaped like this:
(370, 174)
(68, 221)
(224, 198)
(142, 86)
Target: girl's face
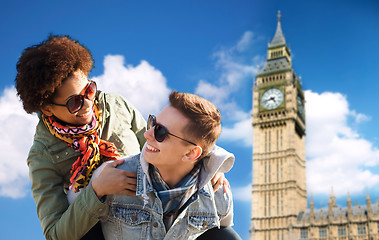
(73, 85)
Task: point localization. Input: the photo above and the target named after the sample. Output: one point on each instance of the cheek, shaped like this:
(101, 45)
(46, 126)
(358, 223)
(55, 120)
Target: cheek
(175, 150)
(87, 103)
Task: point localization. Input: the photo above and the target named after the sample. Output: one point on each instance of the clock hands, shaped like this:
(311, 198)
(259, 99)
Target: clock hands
(271, 98)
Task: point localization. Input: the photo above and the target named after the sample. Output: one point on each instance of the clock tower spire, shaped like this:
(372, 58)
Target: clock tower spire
(278, 119)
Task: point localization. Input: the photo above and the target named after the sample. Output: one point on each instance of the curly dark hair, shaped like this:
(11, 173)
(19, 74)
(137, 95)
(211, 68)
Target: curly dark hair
(42, 68)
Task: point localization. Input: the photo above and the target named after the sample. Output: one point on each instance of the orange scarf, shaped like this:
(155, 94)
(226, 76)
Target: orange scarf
(94, 151)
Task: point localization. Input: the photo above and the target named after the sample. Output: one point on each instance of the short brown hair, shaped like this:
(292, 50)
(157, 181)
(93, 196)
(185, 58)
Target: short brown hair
(42, 68)
(205, 118)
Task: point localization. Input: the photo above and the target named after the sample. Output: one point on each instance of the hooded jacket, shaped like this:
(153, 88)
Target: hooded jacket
(141, 216)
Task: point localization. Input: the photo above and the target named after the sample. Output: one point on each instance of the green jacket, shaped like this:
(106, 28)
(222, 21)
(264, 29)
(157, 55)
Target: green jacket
(50, 161)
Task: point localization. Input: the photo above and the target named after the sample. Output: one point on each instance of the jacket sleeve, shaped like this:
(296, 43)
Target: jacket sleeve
(58, 219)
(224, 203)
(138, 124)
(125, 111)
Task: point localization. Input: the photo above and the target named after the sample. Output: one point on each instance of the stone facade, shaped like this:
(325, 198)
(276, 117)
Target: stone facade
(279, 195)
(337, 223)
(279, 183)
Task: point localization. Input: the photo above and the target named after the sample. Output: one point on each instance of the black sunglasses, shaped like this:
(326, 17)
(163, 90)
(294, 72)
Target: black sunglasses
(160, 132)
(76, 102)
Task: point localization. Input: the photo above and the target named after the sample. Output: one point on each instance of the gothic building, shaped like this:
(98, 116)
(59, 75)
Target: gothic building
(279, 195)
(333, 222)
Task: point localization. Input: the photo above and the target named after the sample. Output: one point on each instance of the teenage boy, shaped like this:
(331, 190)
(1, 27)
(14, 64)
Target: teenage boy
(174, 197)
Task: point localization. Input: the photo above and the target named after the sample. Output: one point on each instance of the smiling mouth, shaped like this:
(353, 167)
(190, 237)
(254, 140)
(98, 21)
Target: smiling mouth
(84, 115)
(151, 148)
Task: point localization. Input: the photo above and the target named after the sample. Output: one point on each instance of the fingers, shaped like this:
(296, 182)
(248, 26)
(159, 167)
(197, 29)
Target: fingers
(129, 174)
(217, 181)
(128, 192)
(117, 162)
(125, 173)
(226, 185)
(113, 180)
(129, 187)
(217, 177)
(217, 186)
(129, 181)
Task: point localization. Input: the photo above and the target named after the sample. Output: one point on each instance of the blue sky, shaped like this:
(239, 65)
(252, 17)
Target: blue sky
(144, 49)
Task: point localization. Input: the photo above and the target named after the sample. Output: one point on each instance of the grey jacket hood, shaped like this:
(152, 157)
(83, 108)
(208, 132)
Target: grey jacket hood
(218, 160)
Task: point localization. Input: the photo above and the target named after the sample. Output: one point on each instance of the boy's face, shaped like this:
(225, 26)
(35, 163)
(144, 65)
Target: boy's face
(170, 152)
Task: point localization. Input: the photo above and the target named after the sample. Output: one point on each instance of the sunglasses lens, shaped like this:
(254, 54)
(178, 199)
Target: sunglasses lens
(75, 103)
(91, 91)
(150, 122)
(160, 133)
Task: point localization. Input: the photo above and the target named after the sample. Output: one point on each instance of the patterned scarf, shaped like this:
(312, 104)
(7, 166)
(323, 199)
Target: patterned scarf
(175, 199)
(84, 139)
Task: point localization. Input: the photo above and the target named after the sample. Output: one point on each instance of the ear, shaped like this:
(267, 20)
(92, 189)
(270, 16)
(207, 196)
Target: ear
(193, 154)
(46, 109)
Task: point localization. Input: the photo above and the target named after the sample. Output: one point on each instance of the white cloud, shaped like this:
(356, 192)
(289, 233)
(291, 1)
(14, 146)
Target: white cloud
(143, 85)
(337, 155)
(359, 117)
(245, 41)
(17, 129)
(241, 131)
(242, 193)
(234, 73)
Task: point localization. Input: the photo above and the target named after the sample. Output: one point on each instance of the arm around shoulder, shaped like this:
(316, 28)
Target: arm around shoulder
(58, 219)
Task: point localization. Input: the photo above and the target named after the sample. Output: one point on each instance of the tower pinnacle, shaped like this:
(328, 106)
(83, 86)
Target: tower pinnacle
(278, 39)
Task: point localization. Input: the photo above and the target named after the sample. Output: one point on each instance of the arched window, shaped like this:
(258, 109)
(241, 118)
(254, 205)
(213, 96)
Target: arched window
(322, 233)
(304, 233)
(341, 231)
(361, 229)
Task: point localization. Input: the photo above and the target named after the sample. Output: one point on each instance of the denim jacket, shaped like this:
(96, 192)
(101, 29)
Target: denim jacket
(141, 216)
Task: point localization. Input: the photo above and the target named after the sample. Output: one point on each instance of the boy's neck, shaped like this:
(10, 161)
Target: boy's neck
(173, 175)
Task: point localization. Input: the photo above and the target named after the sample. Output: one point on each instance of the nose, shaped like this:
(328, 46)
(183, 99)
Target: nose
(149, 134)
(87, 104)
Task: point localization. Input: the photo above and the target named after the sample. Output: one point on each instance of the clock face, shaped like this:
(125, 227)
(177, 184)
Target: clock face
(272, 98)
(300, 105)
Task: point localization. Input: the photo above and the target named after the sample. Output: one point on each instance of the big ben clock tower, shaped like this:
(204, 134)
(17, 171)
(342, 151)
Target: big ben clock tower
(279, 175)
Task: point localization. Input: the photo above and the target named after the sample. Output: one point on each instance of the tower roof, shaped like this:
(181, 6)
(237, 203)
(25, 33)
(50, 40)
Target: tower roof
(275, 66)
(278, 39)
(279, 56)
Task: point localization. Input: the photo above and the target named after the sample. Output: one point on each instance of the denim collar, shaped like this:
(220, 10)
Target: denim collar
(140, 183)
(205, 191)
(218, 160)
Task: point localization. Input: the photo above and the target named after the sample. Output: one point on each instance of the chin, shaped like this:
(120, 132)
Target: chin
(150, 158)
(85, 119)
(146, 157)
(81, 121)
